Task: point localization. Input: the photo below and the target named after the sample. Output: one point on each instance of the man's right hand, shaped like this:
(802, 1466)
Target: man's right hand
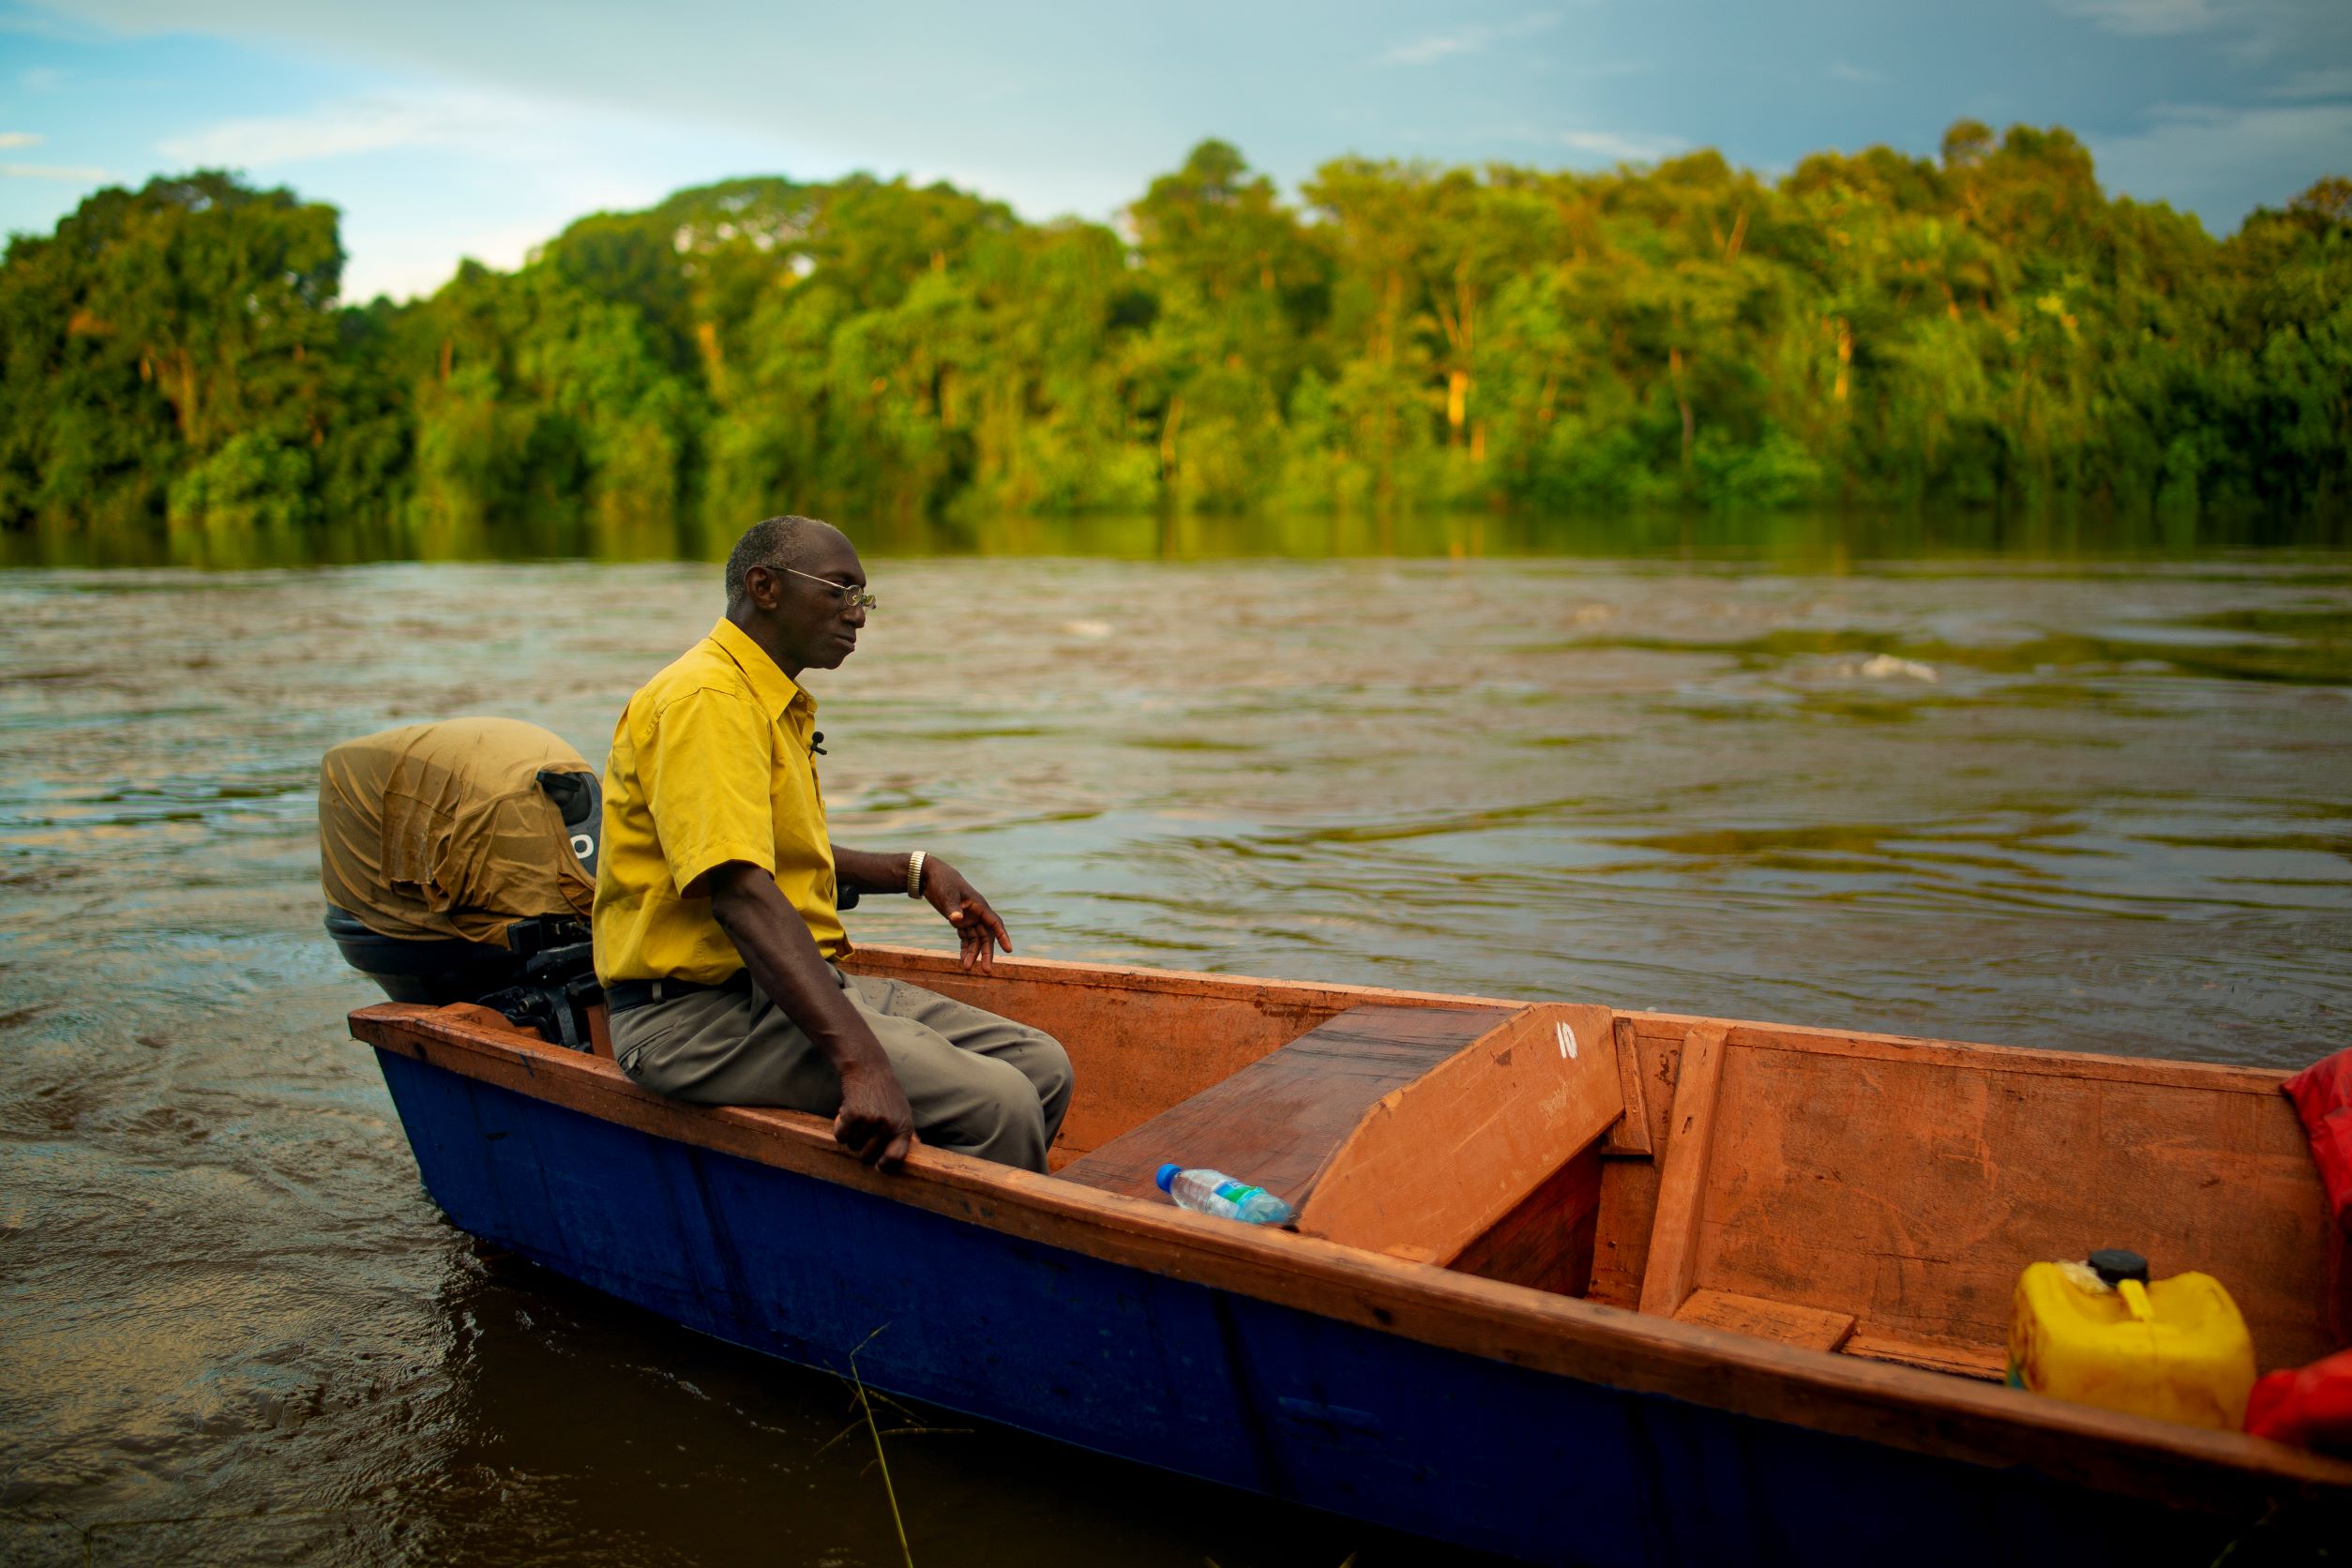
(875, 1122)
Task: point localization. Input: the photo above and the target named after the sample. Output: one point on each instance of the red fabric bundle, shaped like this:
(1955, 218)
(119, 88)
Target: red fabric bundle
(2309, 1408)
(2322, 1094)
(2312, 1406)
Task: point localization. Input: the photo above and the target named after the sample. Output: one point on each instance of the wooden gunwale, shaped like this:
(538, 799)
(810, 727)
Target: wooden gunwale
(1878, 1402)
(1174, 982)
(1739, 1033)
(2016, 1061)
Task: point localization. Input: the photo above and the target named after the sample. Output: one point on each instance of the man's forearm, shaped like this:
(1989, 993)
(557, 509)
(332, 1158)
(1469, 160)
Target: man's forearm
(869, 872)
(874, 1121)
(785, 964)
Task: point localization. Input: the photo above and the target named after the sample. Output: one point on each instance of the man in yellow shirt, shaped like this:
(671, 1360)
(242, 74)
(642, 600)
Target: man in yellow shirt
(717, 930)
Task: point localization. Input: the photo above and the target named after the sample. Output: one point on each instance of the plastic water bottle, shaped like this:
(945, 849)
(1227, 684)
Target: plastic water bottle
(1213, 1192)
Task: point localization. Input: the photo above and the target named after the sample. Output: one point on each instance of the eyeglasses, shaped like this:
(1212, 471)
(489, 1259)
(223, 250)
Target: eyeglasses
(853, 596)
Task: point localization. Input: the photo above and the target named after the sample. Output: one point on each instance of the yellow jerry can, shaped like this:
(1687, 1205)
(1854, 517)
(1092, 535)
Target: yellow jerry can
(2099, 1333)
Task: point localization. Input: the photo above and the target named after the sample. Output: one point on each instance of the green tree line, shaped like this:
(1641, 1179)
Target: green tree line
(1984, 330)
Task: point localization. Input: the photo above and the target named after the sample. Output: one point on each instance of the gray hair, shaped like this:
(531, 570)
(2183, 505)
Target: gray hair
(779, 544)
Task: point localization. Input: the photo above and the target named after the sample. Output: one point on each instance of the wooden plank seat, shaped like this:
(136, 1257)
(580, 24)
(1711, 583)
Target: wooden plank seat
(1989, 1363)
(1807, 1326)
(1450, 1136)
(1278, 1121)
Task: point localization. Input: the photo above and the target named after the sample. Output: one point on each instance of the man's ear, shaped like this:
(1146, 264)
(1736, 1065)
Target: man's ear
(760, 586)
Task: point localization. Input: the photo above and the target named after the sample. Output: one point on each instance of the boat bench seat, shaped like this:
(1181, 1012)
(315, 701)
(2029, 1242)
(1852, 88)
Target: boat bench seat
(1466, 1136)
(1278, 1121)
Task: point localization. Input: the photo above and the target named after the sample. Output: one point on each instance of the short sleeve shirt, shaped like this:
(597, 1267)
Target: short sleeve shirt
(712, 761)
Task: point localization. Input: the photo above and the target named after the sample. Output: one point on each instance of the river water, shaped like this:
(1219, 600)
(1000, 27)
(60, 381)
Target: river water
(2099, 804)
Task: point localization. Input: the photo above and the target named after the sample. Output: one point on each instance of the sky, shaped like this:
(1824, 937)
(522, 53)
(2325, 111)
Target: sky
(447, 129)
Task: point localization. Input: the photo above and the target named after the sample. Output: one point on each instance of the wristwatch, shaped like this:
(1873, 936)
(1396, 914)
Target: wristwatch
(914, 875)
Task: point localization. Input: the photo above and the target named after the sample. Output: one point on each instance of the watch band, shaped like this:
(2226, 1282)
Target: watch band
(914, 875)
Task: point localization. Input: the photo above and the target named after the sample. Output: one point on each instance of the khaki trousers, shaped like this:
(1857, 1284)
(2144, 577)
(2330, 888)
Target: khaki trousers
(978, 1084)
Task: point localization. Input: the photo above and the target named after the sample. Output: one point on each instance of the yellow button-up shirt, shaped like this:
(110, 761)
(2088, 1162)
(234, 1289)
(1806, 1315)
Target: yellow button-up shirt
(711, 762)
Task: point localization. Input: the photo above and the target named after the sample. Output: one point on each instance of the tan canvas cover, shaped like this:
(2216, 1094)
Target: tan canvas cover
(442, 830)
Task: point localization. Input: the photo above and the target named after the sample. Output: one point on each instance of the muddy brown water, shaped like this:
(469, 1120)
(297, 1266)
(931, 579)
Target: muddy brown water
(2097, 804)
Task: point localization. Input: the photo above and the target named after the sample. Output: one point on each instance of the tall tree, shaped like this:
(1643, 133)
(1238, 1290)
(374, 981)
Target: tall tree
(1986, 328)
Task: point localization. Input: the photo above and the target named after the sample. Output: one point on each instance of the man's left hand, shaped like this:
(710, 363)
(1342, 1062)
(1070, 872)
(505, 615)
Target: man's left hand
(976, 924)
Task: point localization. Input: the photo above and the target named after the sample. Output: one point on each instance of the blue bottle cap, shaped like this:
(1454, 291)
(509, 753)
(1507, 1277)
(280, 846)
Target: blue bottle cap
(1167, 1174)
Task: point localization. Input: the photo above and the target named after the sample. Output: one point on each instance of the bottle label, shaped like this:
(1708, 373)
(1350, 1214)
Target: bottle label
(1237, 1194)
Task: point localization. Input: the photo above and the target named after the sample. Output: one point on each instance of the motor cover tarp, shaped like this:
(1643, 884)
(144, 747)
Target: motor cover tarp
(444, 830)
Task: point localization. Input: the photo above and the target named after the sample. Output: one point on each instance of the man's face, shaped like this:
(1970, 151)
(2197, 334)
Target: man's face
(816, 625)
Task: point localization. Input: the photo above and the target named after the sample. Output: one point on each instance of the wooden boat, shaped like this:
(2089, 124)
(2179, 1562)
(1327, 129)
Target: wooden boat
(1569, 1285)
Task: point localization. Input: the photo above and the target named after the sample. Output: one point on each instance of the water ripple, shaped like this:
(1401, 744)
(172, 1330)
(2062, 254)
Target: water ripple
(2103, 806)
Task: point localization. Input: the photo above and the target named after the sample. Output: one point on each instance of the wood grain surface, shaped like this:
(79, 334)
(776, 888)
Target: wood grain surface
(1911, 1188)
(1437, 1164)
(1803, 1326)
(1545, 1242)
(1279, 1120)
(1671, 1270)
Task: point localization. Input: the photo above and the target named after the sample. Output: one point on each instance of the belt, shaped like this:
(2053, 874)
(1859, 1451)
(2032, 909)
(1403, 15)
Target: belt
(622, 995)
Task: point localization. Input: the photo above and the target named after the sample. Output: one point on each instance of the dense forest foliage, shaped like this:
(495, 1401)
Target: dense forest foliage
(1987, 329)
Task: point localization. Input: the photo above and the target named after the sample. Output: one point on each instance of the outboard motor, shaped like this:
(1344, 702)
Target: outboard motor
(459, 861)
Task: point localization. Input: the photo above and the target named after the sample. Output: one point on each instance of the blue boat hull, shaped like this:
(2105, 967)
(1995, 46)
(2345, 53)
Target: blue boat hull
(1211, 1383)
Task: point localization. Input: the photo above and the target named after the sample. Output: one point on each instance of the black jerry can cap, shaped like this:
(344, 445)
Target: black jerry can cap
(2114, 1265)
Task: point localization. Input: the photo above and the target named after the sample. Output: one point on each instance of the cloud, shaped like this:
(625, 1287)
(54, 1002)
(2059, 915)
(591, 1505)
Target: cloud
(1620, 148)
(1470, 40)
(1847, 71)
(2146, 17)
(407, 261)
(378, 122)
(47, 25)
(2324, 82)
(21, 139)
(76, 171)
(2204, 158)
(1610, 146)
(2250, 30)
(1602, 68)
